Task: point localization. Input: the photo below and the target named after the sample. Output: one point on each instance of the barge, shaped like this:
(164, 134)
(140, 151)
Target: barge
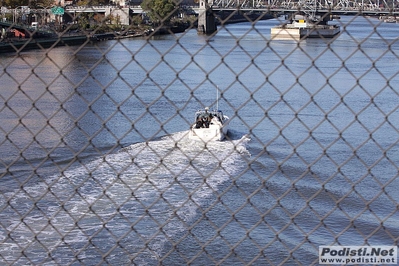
(300, 28)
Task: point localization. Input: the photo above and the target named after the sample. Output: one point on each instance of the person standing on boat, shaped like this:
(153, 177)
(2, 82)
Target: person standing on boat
(206, 117)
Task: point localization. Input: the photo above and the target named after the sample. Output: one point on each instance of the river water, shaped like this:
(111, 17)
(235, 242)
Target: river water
(96, 167)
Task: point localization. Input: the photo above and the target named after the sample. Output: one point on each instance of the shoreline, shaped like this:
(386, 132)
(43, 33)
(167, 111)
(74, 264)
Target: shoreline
(16, 45)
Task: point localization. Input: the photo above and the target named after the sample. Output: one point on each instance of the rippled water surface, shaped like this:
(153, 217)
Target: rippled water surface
(96, 166)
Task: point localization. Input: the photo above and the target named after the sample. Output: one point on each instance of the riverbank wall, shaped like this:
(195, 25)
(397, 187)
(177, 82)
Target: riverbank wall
(18, 45)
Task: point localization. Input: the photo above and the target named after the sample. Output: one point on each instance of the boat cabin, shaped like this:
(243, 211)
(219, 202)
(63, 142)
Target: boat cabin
(204, 118)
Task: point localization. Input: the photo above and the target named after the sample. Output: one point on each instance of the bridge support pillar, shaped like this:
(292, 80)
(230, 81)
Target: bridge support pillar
(206, 20)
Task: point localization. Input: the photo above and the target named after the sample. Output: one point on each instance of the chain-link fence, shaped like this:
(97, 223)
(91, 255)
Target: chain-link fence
(98, 167)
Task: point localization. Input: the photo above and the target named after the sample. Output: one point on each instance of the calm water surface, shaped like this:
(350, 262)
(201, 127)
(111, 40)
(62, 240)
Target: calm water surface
(96, 166)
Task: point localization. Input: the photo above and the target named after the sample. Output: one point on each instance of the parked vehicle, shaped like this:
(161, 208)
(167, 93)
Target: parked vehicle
(35, 25)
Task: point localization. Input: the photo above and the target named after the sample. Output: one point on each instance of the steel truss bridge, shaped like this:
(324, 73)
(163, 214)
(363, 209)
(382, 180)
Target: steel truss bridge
(312, 9)
(309, 7)
(341, 5)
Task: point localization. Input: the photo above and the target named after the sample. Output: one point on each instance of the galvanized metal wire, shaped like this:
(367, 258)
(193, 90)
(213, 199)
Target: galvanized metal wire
(39, 222)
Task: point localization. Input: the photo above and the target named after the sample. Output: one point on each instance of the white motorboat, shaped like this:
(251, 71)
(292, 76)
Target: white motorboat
(209, 125)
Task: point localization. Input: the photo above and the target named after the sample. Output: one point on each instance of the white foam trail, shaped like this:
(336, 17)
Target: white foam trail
(167, 177)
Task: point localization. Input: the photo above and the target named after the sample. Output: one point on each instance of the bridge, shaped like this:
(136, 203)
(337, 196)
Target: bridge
(313, 9)
(335, 11)
(100, 9)
(331, 6)
(335, 5)
(339, 7)
(207, 8)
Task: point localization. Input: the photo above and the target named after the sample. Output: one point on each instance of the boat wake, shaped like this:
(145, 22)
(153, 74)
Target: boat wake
(140, 199)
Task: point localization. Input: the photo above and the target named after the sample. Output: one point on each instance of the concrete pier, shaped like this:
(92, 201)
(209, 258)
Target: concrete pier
(206, 19)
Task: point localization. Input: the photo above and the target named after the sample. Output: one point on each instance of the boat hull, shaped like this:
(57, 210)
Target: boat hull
(208, 134)
(292, 32)
(209, 126)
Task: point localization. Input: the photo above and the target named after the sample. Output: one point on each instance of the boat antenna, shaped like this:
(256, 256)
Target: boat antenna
(217, 98)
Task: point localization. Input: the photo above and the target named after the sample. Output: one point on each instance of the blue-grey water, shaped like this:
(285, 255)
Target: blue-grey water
(96, 167)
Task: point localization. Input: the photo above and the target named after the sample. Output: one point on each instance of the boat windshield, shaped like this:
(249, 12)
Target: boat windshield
(201, 113)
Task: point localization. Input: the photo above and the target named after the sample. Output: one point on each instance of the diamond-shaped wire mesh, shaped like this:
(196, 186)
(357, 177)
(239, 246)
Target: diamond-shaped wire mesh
(97, 166)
